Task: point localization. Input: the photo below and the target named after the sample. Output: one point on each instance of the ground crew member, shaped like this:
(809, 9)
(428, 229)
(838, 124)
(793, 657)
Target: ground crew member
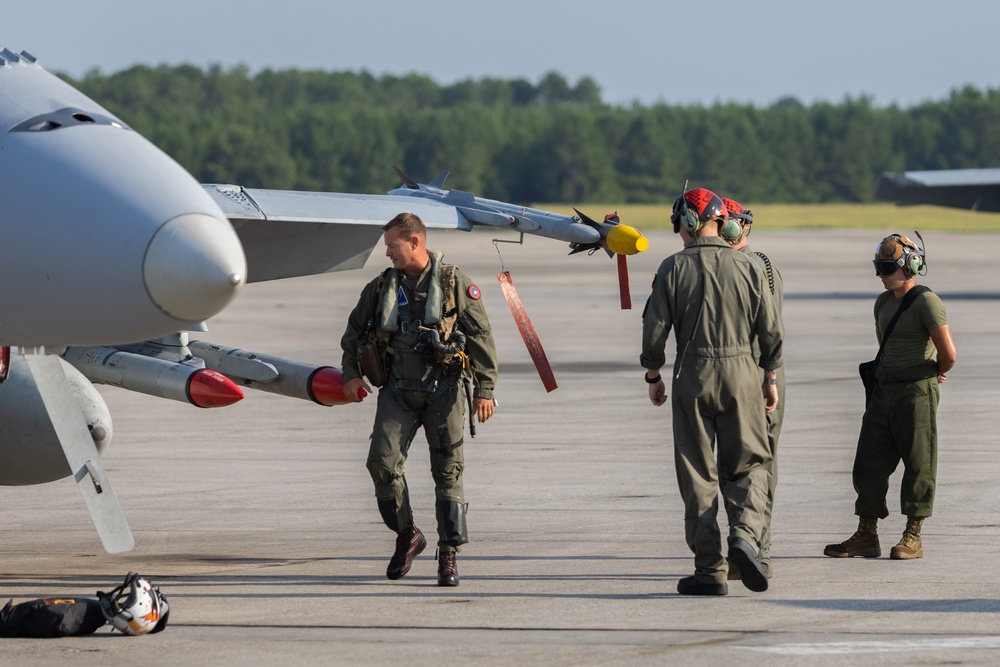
(738, 224)
(900, 422)
(715, 301)
(430, 321)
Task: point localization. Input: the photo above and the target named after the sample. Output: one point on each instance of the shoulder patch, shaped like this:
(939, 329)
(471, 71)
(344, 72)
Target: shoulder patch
(474, 293)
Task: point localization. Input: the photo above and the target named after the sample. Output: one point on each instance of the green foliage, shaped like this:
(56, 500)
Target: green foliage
(523, 142)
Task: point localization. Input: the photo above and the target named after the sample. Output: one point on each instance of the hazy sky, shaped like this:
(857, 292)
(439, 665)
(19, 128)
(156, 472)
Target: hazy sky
(677, 51)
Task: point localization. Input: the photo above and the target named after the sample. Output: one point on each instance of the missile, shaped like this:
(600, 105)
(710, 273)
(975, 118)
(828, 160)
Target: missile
(582, 233)
(178, 381)
(321, 384)
(499, 214)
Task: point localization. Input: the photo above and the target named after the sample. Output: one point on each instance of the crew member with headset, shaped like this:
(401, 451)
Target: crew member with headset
(715, 301)
(900, 421)
(735, 231)
(428, 328)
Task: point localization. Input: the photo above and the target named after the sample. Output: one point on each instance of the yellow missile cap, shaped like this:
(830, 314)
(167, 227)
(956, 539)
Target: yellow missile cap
(625, 240)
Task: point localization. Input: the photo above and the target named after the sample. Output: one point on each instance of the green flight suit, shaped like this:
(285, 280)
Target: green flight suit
(774, 419)
(715, 300)
(418, 393)
(900, 423)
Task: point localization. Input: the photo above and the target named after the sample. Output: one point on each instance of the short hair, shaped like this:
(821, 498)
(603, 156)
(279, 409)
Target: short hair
(408, 225)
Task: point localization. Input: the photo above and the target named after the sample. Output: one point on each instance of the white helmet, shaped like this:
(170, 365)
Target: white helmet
(136, 607)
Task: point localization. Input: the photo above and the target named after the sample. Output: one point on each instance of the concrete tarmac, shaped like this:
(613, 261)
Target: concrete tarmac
(259, 522)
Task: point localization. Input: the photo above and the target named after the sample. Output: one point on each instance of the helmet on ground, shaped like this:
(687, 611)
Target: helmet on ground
(136, 607)
(738, 223)
(896, 252)
(695, 208)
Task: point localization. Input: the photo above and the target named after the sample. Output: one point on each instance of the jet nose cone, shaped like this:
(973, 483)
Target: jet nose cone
(193, 267)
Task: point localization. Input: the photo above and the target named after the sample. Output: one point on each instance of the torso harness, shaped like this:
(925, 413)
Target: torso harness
(423, 343)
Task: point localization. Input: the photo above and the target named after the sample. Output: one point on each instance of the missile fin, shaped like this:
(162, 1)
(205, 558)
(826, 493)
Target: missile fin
(407, 181)
(438, 181)
(586, 220)
(233, 362)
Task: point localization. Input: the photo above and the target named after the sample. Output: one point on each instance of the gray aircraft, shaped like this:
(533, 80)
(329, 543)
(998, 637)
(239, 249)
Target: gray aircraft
(114, 255)
(975, 189)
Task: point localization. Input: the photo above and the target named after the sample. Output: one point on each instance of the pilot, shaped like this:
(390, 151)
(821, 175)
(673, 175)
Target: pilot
(716, 302)
(736, 230)
(900, 421)
(421, 333)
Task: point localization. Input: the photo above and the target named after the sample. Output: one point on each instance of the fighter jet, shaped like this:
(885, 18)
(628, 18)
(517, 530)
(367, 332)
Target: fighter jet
(114, 255)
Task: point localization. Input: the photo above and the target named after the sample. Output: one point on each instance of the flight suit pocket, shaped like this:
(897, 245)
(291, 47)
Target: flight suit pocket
(470, 325)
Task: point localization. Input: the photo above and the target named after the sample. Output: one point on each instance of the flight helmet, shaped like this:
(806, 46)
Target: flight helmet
(136, 607)
(738, 223)
(696, 207)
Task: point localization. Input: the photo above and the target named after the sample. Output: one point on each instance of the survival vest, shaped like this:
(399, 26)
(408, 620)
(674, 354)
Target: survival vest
(440, 313)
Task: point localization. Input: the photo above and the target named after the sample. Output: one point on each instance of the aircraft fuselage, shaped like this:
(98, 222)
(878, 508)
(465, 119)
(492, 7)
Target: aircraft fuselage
(106, 239)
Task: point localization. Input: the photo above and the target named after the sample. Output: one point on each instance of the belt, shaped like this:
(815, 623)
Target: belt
(922, 371)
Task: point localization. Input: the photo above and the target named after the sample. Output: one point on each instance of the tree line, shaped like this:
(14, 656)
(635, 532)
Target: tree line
(522, 142)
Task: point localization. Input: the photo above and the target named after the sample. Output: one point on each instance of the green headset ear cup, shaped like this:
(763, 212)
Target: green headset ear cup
(914, 263)
(731, 230)
(690, 221)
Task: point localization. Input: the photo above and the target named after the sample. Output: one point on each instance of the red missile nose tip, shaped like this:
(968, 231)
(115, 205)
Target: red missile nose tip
(208, 389)
(327, 386)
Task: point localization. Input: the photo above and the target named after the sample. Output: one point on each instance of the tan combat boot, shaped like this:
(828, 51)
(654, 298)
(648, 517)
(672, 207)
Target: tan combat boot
(909, 547)
(864, 542)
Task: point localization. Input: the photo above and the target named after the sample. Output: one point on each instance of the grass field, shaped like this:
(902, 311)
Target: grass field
(813, 216)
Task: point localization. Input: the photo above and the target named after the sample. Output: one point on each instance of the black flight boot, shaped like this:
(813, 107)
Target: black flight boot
(453, 529)
(691, 586)
(744, 557)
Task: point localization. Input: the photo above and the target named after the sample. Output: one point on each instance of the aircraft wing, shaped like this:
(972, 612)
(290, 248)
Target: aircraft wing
(976, 189)
(288, 233)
